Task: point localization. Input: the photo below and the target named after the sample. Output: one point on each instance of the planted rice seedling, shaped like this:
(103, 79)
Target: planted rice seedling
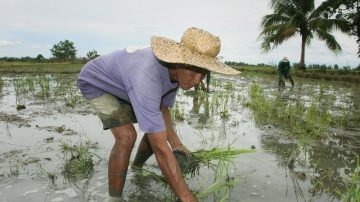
(220, 189)
(1, 84)
(73, 98)
(177, 113)
(293, 116)
(229, 86)
(353, 184)
(47, 175)
(44, 84)
(78, 161)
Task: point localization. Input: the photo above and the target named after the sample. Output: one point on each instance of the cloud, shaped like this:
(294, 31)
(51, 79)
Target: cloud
(9, 43)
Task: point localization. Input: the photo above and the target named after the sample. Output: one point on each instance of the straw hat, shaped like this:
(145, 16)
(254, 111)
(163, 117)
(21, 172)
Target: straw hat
(197, 47)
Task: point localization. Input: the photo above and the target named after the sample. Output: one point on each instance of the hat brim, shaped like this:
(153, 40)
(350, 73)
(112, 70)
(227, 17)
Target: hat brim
(170, 51)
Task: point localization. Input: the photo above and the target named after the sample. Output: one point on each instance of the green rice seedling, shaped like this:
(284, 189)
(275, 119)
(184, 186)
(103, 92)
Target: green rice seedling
(73, 98)
(47, 175)
(144, 173)
(224, 113)
(229, 86)
(1, 84)
(191, 164)
(223, 182)
(353, 184)
(20, 86)
(14, 170)
(317, 120)
(225, 154)
(44, 84)
(214, 103)
(290, 115)
(78, 161)
(177, 114)
(221, 188)
(262, 108)
(214, 83)
(31, 84)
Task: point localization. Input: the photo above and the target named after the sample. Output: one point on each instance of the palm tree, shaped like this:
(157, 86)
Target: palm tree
(299, 17)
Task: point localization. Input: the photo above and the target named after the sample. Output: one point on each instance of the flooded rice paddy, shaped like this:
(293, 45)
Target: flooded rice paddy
(305, 142)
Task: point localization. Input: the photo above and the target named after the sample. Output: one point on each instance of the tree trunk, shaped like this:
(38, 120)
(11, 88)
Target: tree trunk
(302, 58)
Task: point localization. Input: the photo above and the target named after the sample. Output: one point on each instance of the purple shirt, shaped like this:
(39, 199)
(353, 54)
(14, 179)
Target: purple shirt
(135, 77)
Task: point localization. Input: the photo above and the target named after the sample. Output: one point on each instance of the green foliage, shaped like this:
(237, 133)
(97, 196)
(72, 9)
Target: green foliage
(346, 9)
(64, 50)
(92, 54)
(177, 113)
(40, 58)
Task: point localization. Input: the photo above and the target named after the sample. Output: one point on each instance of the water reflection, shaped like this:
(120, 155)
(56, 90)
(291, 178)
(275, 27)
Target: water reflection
(324, 164)
(146, 188)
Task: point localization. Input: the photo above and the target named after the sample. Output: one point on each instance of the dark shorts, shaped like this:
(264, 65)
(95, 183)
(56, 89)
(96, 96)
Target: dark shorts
(283, 76)
(112, 111)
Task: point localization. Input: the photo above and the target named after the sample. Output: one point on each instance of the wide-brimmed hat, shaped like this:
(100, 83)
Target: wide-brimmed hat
(197, 47)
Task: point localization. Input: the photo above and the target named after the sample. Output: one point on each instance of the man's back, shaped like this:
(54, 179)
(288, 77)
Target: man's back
(284, 66)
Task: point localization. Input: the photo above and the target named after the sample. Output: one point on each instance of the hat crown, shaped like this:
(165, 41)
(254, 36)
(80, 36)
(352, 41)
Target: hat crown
(201, 41)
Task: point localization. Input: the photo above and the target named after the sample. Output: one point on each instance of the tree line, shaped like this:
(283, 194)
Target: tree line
(321, 67)
(63, 51)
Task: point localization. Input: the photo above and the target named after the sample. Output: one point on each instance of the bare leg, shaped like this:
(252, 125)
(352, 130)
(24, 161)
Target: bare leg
(143, 153)
(125, 137)
(291, 81)
(281, 83)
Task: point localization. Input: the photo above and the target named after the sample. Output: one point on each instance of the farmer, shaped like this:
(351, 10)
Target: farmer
(284, 72)
(126, 87)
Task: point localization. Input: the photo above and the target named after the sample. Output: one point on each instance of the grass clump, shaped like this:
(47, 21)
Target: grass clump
(78, 161)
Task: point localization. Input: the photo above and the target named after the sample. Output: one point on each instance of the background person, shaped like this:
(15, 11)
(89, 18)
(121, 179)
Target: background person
(127, 87)
(284, 72)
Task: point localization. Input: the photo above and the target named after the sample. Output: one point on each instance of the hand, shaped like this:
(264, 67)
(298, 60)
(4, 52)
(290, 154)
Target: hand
(183, 149)
(188, 163)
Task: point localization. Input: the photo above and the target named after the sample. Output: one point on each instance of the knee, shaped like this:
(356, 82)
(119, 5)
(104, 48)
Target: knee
(124, 135)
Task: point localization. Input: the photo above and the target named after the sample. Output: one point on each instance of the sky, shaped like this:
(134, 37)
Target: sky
(32, 27)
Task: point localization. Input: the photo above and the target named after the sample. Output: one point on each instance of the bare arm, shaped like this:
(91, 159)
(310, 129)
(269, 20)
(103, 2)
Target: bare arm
(172, 137)
(169, 166)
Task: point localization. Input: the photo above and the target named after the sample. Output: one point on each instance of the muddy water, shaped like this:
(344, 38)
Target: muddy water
(32, 162)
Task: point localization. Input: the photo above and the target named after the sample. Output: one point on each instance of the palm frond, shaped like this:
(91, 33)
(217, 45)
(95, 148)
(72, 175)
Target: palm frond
(330, 41)
(323, 7)
(273, 19)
